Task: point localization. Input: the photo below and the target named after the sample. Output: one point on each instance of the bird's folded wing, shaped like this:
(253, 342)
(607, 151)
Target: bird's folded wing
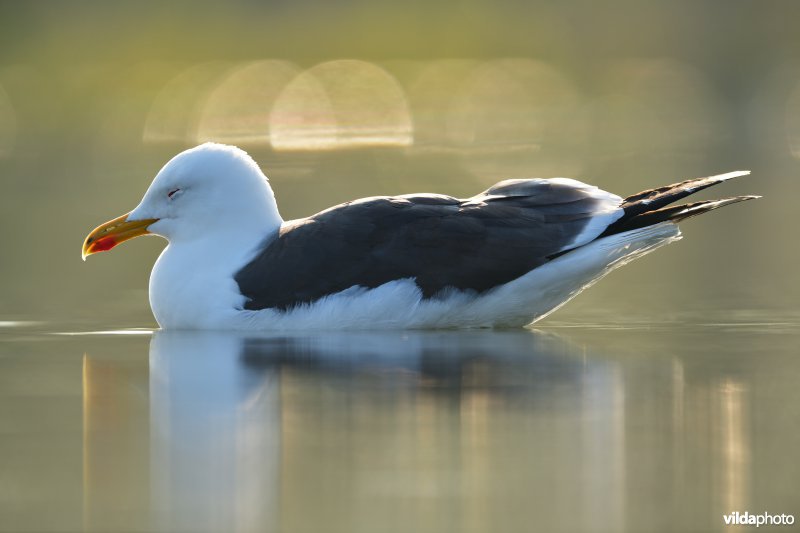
(439, 241)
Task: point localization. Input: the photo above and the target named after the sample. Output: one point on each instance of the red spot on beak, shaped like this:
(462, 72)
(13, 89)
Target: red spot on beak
(104, 244)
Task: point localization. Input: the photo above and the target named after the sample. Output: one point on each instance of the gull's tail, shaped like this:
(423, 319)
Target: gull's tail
(651, 206)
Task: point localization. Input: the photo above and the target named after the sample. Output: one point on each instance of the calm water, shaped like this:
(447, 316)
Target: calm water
(579, 426)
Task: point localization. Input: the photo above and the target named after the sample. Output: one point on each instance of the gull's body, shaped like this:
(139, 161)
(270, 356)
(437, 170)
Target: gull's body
(506, 257)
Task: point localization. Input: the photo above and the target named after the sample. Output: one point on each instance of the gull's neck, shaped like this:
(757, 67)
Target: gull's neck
(192, 285)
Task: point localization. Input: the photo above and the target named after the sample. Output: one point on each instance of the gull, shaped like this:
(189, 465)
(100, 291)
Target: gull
(506, 257)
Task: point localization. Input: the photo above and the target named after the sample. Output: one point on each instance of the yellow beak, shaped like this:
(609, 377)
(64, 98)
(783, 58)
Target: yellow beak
(108, 235)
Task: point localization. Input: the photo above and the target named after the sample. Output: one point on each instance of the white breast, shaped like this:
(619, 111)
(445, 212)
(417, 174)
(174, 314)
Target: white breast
(192, 285)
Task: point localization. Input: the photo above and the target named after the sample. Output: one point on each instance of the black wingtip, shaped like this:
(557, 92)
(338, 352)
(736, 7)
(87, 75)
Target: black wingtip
(682, 212)
(678, 213)
(662, 196)
(652, 206)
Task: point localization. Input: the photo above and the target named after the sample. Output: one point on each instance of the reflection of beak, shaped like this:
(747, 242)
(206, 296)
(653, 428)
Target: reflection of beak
(108, 235)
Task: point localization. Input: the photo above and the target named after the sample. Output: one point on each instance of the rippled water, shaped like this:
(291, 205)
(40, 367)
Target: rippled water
(593, 426)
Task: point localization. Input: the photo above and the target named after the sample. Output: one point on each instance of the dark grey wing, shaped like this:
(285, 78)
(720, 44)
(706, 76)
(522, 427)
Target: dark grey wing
(439, 241)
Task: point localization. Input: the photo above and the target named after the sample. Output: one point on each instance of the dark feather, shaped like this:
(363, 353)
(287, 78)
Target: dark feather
(645, 208)
(676, 213)
(443, 242)
(439, 241)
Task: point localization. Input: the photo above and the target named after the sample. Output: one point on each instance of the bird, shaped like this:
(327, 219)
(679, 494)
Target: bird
(506, 257)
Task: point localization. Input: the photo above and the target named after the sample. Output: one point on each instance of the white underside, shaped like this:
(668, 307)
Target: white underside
(399, 304)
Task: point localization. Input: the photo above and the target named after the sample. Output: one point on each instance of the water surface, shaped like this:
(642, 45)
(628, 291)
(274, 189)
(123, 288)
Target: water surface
(635, 426)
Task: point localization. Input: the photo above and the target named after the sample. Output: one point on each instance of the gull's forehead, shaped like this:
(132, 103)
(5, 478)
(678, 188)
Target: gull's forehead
(168, 177)
(205, 162)
(186, 166)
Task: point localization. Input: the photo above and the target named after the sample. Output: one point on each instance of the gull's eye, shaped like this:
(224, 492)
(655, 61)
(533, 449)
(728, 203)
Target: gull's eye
(172, 193)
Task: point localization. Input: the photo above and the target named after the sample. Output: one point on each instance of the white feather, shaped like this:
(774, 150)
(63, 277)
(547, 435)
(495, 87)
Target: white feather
(608, 212)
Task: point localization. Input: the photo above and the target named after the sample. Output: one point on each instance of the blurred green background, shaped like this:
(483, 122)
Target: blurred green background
(358, 98)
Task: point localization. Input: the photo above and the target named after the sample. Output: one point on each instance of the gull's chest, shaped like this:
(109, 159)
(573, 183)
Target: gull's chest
(190, 289)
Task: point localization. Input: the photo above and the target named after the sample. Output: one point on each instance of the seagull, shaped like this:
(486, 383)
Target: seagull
(506, 257)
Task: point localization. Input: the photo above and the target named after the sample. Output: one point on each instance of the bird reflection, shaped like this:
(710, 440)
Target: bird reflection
(255, 430)
(412, 431)
(214, 427)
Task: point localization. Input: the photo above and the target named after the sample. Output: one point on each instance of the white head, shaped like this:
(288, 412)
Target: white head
(212, 191)
(211, 188)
